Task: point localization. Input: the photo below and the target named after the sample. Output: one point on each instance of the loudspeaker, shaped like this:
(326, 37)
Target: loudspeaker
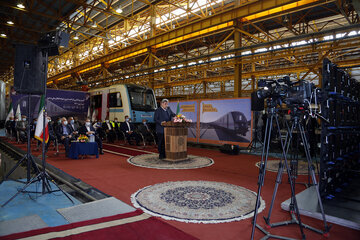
(230, 149)
(257, 104)
(30, 70)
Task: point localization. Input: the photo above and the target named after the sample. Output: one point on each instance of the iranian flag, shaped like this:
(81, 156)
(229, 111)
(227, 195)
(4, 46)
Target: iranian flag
(177, 108)
(40, 122)
(10, 112)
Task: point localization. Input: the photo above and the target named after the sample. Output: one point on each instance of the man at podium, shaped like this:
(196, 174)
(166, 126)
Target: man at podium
(162, 114)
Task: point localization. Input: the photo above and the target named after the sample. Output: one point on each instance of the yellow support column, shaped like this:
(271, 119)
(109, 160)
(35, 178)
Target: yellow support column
(238, 61)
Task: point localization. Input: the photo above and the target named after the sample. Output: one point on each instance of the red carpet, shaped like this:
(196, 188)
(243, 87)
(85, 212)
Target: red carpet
(113, 175)
(128, 226)
(128, 150)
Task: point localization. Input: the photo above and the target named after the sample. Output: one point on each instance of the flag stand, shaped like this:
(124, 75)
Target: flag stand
(41, 176)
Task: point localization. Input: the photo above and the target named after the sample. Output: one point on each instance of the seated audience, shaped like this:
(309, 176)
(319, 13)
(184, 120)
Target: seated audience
(21, 127)
(129, 129)
(90, 131)
(145, 130)
(109, 130)
(64, 134)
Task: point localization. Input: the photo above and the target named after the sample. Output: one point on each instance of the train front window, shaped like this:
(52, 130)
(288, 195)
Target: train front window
(115, 99)
(141, 99)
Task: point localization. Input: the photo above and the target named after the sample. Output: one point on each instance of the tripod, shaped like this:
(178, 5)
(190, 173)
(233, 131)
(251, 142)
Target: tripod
(297, 115)
(255, 139)
(27, 157)
(41, 176)
(272, 115)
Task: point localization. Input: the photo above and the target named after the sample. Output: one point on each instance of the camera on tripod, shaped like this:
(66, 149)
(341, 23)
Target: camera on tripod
(301, 93)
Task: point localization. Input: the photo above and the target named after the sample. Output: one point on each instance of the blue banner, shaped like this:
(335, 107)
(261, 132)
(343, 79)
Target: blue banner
(59, 103)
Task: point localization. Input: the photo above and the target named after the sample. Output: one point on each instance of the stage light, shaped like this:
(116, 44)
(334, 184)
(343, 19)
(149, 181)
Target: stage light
(76, 37)
(3, 35)
(10, 22)
(94, 25)
(20, 5)
(119, 10)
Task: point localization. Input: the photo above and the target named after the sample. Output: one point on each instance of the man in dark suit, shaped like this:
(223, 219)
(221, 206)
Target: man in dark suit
(10, 127)
(64, 134)
(89, 131)
(73, 126)
(109, 130)
(162, 114)
(145, 130)
(128, 128)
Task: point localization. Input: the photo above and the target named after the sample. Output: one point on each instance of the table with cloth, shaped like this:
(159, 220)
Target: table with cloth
(83, 148)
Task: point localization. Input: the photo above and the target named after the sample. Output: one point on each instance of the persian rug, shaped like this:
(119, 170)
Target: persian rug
(197, 201)
(273, 165)
(153, 161)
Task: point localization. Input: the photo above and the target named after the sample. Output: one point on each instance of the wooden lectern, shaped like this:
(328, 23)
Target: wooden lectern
(175, 134)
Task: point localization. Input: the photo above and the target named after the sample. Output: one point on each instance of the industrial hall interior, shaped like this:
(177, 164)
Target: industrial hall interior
(180, 119)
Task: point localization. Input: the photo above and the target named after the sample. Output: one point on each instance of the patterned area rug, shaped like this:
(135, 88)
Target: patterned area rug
(153, 161)
(197, 201)
(273, 165)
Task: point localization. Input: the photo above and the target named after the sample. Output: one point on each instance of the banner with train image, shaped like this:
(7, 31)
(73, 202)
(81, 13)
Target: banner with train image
(223, 121)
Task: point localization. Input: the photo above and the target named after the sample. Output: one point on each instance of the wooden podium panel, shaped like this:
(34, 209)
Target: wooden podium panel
(176, 141)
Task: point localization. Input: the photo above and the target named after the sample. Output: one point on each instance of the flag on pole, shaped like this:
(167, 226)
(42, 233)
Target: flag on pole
(88, 113)
(10, 112)
(94, 115)
(39, 130)
(177, 108)
(18, 112)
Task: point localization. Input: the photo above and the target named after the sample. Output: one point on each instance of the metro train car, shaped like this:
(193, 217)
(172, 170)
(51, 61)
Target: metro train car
(138, 102)
(233, 121)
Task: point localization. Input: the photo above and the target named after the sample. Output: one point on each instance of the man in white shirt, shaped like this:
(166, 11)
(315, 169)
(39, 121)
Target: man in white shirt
(90, 131)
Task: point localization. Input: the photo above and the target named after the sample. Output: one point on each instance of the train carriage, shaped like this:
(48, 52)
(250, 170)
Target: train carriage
(119, 100)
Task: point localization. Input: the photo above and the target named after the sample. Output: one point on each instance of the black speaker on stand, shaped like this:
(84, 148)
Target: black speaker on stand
(30, 77)
(30, 70)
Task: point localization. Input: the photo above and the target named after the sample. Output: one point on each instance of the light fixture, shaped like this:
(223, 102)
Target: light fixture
(286, 19)
(10, 22)
(3, 35)
(20, 5)
(94, 25)
(76, 37)
(119, 10)
(110, 39)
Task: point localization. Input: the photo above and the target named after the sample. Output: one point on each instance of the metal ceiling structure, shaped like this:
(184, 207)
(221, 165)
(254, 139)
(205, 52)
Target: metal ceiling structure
(193, 49)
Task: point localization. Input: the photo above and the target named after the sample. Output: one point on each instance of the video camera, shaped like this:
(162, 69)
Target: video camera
(283, 90)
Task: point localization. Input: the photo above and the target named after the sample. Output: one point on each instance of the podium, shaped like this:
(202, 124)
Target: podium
(175, 134)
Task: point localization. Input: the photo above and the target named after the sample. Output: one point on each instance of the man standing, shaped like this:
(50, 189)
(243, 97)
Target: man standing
(89, 131)
(162, 114)
(64, 134)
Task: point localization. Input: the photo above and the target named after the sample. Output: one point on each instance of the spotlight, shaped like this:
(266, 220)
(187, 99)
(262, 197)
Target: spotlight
(20, 5)
(3, 35)
(119, 10)
(76, 37)
(10, 22)
(94, 25)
